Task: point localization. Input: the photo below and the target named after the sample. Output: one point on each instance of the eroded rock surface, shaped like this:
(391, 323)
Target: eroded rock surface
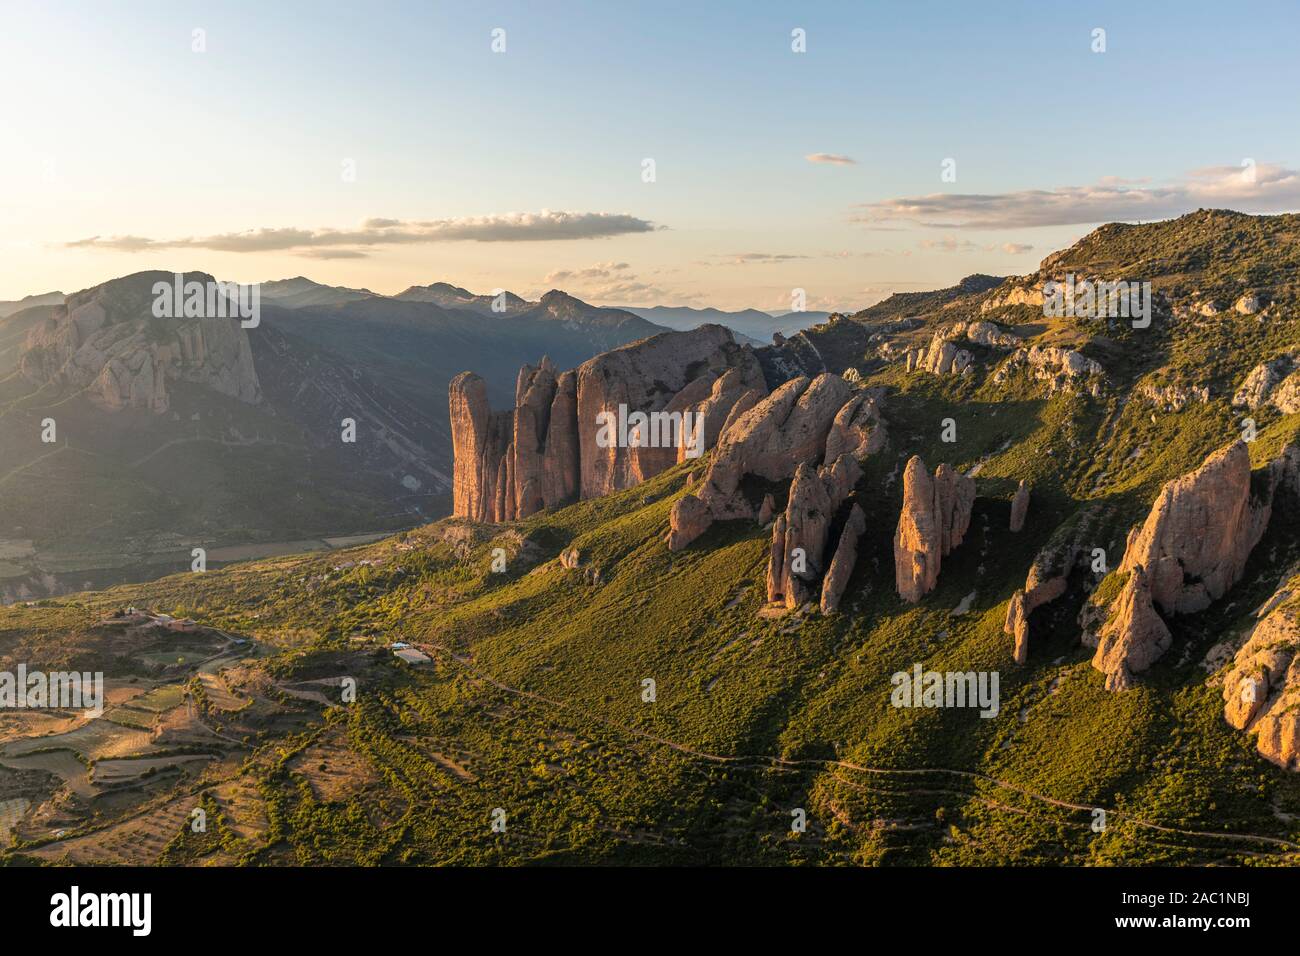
(935, 517)
(615, 421)
(846, 556)
(1134, 637)
(1261, 690)
(789, 427)
(1199, 533)
(107, 341)
(1020, 506)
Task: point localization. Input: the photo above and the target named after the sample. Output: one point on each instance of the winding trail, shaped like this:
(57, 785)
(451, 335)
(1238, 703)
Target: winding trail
(782, 763)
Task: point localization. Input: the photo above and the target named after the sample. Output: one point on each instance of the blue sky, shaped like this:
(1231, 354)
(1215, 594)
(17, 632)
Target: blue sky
(230, 160)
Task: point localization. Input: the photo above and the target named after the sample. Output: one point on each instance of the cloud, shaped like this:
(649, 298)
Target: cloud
(546, 226)
(745, 258)
(601, 270)
(1254, 188)
(834, 159)
(949, 244)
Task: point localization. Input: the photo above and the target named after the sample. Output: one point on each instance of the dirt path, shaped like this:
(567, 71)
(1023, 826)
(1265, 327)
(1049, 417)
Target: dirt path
(782, 763)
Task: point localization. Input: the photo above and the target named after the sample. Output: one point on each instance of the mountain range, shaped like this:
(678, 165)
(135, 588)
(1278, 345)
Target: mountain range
(955, 580)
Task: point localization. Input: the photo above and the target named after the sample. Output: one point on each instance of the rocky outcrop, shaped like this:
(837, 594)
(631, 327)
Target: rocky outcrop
(1174, 398)
(797, 558)
(1261, 689)
(942, 357)
(1257, 386)
(1199, 533)
(846, 556)
(647, 377)
(764, 510)
(1191, 549)
(1048, 579)
(790, 427)
(935, 517)
(617, 420)
(106, 342)
(857, 429)
(1064, 370)
(479, 438)
(1020, 507)
(1134, 636)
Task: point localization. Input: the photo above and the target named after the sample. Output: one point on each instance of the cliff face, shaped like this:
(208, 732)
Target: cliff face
(1261, 689)
(799, 539)
(935, 517)
(1189, 551)
(1201, 529)
(801, 423)
(562, 441)
(106, 341)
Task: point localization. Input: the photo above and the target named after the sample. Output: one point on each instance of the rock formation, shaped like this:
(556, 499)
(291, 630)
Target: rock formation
(942, 357)
(1020, 506)
(1048, 578)
(935, 516)
(1199, 533)
(790, 427)
(1189, 551)
(648, 376)
(846, 556)
(1261, 385)
(1064, 370)
(107, 342)
(615, 421)
(1261, 690)
(797, 557)
(1134, 637)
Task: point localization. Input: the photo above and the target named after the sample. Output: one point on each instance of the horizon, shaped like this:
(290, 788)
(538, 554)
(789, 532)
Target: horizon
(428, 158)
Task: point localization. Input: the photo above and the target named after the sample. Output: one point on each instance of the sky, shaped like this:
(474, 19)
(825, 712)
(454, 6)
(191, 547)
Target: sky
(630, 153)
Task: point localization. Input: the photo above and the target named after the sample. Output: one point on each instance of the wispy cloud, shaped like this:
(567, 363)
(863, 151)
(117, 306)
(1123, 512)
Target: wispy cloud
(833, 159)
(747, 258)
(950, 244)
(601, 270)
(546, 226)
(1257, 188)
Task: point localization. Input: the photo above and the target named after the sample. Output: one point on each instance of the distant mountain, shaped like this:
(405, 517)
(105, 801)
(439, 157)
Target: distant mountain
(300, 292)
(187, 432)
(453, 297)
(752, 323)
(29, 302)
